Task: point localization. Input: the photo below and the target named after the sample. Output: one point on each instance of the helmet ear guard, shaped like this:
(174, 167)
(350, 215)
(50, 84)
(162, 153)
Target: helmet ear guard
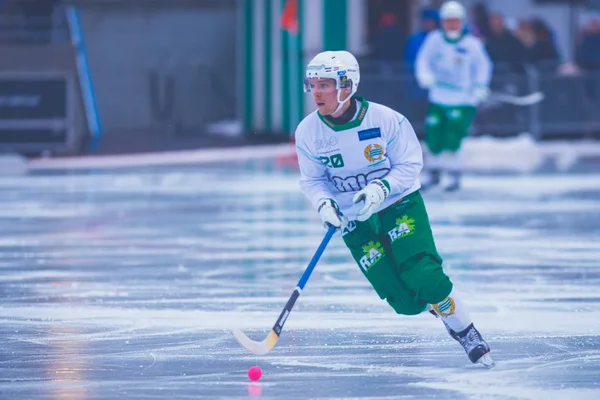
(345, 83)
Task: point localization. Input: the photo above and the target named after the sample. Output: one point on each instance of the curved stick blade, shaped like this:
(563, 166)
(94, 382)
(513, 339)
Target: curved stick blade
(527, 100)
(537, 97)
(531, 99)
(258, 348)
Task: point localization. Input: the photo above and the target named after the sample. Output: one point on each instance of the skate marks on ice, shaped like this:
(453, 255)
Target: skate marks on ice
(335, 362)
(124, 284)
(531, 368)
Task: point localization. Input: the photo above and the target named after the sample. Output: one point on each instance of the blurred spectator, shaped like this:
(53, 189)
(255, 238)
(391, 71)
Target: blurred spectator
(430, 21)
(543, 49)
(511, 24)
(479, 21)
(386, 45)
(588, 54)
(502, 46)
(538, 42)
(524, 33)
(569, 69)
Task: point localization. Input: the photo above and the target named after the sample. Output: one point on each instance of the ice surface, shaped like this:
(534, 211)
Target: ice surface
(123, 283)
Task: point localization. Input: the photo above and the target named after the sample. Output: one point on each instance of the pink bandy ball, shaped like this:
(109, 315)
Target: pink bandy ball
(254, 373)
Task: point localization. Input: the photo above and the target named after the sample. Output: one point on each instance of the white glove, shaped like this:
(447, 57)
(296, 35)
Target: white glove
(480, 94)
(373, 195)
(426, 79)
(330, 214)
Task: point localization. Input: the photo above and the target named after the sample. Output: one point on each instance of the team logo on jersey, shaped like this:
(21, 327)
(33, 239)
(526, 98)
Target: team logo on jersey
(373, 152)
(373, 253)
(404, 226)
(369, 134)
(446, 307)
(327, 143)
(354, 183)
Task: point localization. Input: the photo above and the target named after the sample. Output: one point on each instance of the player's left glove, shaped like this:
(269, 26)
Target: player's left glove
(373, 195)
(480, 94)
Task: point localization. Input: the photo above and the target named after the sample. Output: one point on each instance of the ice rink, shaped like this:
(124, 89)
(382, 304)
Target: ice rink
(123, 284)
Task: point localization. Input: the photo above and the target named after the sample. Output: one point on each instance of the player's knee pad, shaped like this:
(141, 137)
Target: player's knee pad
(386, 281)
(434, 143)
(407, 305)
(427, 279)
(453, 145)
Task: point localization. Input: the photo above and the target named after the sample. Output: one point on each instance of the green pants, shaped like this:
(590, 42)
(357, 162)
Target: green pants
(396, 252)
(446, 127)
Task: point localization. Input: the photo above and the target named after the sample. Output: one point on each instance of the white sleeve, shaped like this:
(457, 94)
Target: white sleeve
(314, 182)
(482, 65)
(405, 155)
(423, 64)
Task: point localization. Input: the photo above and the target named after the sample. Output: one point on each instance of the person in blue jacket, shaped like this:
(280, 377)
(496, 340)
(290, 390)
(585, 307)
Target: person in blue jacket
(430, 21)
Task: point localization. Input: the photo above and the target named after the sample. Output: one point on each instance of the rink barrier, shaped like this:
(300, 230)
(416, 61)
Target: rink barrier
(515, 154)
(183, 157)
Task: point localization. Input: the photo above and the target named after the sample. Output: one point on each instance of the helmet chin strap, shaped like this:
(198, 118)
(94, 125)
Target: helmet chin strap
(341, 103)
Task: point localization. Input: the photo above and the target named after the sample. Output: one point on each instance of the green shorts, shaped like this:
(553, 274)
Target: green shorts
(446, 127)
(396, 252)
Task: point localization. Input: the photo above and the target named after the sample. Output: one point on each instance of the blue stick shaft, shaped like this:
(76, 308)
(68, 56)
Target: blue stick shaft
(315, 259)
(287, 309)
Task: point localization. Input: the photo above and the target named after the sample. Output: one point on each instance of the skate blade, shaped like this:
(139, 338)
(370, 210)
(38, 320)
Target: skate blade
(486, 361)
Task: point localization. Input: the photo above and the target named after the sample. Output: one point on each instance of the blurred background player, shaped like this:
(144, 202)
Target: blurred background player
(454, 66)
(366, 183)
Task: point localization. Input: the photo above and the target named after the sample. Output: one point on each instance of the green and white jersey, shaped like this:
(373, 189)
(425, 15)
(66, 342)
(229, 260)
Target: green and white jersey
(459, 66)
(336, 161)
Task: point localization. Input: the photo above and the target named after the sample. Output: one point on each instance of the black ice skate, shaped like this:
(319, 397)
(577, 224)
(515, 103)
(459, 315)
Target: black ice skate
(435, 176)
(476, 348)
(454, 184)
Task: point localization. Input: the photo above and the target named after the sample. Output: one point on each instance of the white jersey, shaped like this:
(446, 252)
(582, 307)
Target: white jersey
(336, 161)
(459, 66)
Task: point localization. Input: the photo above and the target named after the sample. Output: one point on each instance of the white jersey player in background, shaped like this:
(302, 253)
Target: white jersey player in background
(456, 69)
(359, 167)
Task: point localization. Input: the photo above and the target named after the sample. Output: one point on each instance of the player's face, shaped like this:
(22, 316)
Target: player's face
(324, 94)
(452, 25)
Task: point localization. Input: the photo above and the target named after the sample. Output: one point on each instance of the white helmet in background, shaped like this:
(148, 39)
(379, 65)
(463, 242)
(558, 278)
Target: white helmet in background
(453, 10)
(338, 65)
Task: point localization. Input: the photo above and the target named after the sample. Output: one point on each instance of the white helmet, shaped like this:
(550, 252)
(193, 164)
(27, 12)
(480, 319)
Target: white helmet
(453, 9)
(338, 65)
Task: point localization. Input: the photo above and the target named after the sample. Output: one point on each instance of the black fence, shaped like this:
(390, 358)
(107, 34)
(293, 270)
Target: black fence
(570, 108)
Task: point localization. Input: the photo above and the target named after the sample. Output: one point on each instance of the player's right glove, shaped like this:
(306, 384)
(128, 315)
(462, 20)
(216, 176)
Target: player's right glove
(330, 214)
(425, 79)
